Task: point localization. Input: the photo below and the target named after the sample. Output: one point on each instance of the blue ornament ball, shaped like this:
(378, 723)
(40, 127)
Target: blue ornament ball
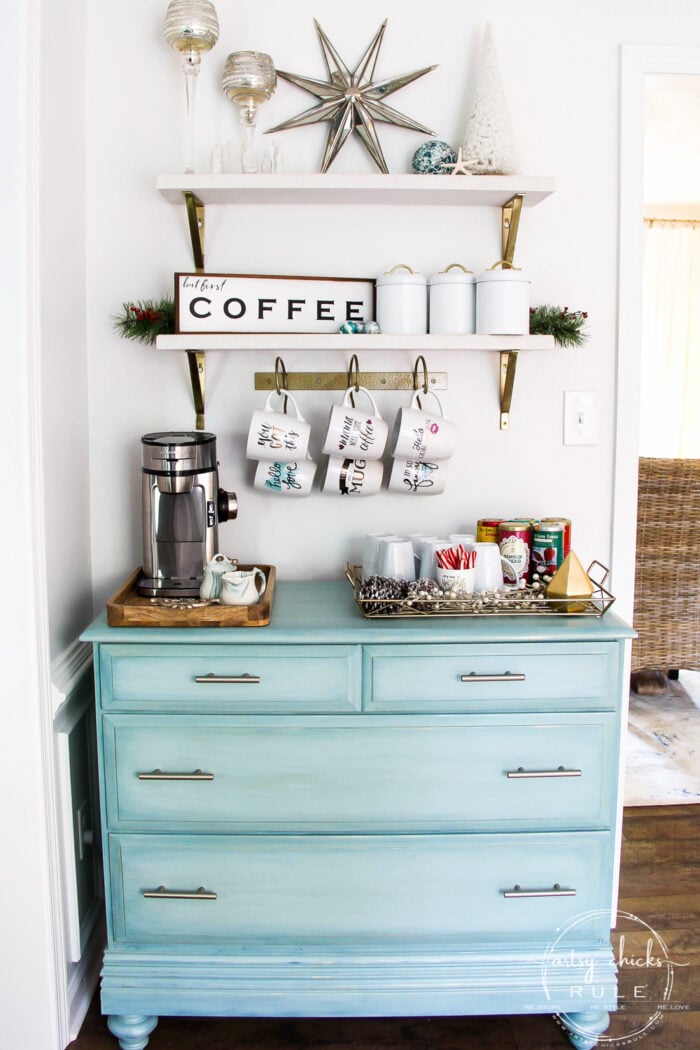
(432, 158)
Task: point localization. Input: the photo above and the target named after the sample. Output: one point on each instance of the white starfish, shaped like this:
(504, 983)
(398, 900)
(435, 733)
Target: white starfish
(460, 165)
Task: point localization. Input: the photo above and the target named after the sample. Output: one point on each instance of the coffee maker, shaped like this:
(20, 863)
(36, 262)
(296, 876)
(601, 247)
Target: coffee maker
(182, 505)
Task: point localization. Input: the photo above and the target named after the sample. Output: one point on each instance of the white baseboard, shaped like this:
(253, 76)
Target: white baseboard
(83, 979)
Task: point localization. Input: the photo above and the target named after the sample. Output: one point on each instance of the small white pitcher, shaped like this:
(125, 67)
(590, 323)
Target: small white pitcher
(240, 587)
(210, 587)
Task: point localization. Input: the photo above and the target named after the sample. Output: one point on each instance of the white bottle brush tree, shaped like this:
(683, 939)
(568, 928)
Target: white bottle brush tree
(489, 146)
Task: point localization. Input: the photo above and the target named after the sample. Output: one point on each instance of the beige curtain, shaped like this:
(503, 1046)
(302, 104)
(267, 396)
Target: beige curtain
(670, 382)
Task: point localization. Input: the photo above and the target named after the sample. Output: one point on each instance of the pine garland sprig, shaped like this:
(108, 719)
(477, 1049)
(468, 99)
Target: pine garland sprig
(567, 326)
(145, 319)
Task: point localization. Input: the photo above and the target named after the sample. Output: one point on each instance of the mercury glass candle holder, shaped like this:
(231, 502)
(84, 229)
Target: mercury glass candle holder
(191, 27)
(249, 79)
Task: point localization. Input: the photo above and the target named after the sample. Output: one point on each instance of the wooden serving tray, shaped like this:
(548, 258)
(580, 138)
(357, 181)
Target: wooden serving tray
(126, 608)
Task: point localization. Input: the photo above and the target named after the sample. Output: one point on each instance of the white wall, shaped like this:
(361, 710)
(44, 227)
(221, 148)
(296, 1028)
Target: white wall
(560, 67)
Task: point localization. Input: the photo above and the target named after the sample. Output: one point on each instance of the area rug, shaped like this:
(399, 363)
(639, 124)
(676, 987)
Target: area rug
(663, 745)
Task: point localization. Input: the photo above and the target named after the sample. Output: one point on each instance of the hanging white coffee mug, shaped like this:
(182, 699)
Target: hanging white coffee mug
(421, 433)
(353, 432)
(353, 477)
(242, 587)
(277, 435)
(289, 478)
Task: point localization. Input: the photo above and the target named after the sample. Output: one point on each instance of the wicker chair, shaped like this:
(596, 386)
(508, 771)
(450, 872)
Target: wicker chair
(667, 582)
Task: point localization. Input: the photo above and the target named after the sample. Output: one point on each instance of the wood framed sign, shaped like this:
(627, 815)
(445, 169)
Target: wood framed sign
(217, 303)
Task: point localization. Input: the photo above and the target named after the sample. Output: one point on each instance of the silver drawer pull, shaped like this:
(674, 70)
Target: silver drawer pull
(507, 677)
(556, 891)
(158, 774)
(525, 774)
(180, 895)
(228, 679)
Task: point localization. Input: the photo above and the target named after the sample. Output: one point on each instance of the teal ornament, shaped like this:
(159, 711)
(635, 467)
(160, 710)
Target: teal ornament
(349, 328)
(433, 158)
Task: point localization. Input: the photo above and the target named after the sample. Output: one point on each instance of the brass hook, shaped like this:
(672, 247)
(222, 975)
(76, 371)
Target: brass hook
(420, 360)
(354, 377)
(281, 380)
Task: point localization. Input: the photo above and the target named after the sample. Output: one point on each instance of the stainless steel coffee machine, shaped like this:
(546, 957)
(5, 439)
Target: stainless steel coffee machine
(182, 505)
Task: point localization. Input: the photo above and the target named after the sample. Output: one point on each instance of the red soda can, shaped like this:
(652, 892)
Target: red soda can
(515, 542)
(566, 523)
(487, 530)
(547, 547)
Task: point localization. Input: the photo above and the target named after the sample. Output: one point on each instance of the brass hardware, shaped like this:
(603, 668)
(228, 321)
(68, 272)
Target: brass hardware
(218, 679)
(505, 264)
(195, 221)
(180, 895)
(509, 361)
(556, 891)
(420, 360)
(158, 774)
(456, 266)
(354, 377)
(510, 223)
(197, 362)
(399, 266)
(525, 774)
(339, 380)
(507, 677)
(281, 381)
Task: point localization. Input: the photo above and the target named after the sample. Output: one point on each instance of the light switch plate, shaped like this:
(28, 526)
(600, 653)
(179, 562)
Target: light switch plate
(580, 417)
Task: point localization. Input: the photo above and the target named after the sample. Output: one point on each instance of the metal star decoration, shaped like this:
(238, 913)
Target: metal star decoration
(352, 101)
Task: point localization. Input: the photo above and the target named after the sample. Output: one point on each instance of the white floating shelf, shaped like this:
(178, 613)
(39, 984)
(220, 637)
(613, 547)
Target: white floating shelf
(417, 344)
(315, 189)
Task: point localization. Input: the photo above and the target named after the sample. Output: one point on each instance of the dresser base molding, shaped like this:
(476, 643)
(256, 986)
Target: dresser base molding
(311, 982)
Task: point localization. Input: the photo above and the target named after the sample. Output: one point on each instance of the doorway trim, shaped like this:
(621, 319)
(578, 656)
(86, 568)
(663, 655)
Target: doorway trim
(636, 63)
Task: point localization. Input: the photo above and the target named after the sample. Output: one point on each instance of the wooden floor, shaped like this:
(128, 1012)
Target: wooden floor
(660, 883)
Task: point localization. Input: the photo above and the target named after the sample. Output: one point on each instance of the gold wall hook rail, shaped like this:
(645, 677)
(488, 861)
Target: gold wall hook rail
(339, 380)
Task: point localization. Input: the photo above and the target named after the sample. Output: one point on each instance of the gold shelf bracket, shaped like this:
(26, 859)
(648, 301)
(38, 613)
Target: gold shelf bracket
(509, 362)
(339, 380)
(197, 361)
(509, 228)
(195, 221)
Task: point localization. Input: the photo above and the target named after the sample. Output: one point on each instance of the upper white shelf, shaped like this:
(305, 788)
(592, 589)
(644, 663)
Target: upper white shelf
(315, 189)
(354, 343)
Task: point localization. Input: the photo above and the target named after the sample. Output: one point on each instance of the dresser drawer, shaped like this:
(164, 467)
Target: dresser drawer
(359, 773)
(515, 677)
(214, 889)
(232, 678)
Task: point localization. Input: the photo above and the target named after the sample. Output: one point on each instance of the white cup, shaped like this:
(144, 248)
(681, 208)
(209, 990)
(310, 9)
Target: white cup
(489, 568)
(395, 558)
(460, 581)
(242, 587)
(428, 564)
(276, 435)
(418, 478)
(353, 477)
(421, 434)
(352, 432)
(467, 539)
(370, 552)
(288, 478)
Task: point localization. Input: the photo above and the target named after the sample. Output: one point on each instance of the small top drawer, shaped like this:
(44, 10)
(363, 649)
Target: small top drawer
(518, 677)
(239, 678)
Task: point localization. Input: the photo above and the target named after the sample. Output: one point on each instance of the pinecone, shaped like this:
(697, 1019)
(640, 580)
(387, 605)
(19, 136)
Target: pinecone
(382, 589)
(422, 595)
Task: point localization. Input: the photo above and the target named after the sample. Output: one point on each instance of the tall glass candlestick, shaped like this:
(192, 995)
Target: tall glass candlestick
(249, 79)
(192, 28)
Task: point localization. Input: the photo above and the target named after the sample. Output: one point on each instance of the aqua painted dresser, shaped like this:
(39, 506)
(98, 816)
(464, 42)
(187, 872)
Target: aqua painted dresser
(333, 816)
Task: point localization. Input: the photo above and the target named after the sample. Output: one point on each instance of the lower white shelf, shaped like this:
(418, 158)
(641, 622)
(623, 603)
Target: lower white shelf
(276, 342)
